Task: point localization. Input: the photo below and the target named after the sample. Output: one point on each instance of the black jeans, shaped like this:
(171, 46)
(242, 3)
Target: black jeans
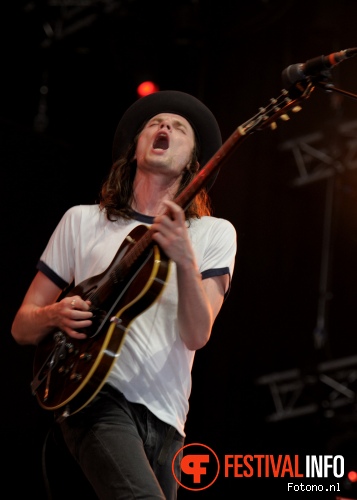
(123, 449)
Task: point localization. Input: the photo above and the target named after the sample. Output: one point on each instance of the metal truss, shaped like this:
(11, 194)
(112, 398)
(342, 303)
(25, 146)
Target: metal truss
(317, 158)
(63, 18)
(320, 156)
(332, 385)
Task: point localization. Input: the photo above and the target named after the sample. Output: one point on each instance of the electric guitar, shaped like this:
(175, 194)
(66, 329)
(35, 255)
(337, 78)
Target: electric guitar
(68, 373)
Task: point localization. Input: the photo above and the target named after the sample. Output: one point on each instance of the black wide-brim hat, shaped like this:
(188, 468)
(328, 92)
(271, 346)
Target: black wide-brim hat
(200, 117)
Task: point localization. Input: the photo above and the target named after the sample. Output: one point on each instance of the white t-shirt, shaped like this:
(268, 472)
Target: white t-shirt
(154, 365)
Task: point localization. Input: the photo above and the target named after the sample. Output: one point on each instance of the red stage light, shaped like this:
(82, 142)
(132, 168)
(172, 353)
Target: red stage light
(146, 88)
(352, 476)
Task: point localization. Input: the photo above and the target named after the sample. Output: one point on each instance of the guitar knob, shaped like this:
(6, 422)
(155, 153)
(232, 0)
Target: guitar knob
(70, 347)
(75, 376)
(63, 370)
(85, 356)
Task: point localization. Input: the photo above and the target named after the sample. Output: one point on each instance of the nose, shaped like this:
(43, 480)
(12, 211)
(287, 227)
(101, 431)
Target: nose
(165, 124)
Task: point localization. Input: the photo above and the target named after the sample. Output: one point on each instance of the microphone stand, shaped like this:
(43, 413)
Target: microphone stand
(324, 82)
(329, 87)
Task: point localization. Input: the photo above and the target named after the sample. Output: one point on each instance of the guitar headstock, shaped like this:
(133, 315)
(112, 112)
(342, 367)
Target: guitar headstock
(278, 108)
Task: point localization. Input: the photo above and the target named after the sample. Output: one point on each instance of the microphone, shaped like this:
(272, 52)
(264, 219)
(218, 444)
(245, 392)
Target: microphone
(313, 67)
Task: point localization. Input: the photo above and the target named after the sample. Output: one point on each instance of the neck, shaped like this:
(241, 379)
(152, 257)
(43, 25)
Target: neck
(149, 195)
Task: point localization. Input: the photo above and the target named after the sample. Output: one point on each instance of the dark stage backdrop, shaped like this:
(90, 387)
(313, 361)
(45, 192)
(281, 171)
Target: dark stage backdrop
(278, 375)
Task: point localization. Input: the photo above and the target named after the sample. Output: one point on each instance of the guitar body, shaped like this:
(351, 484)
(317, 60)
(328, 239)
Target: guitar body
(70, 372)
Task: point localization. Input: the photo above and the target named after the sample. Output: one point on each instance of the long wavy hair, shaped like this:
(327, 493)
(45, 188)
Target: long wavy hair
(116, 194)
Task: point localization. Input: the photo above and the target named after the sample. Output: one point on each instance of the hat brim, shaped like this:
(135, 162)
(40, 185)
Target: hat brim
(196, 113)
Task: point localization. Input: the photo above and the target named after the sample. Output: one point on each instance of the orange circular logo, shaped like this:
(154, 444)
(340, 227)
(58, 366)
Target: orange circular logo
(199, 467)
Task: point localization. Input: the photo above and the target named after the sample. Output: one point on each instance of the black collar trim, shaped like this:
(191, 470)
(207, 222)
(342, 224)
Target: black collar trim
(147, 219)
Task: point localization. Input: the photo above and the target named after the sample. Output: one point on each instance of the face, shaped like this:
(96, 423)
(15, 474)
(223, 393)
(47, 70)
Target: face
(165, 144)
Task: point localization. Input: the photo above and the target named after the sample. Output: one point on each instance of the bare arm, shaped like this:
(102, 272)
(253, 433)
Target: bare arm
(199, 305)
(199, 300)
(40, 313)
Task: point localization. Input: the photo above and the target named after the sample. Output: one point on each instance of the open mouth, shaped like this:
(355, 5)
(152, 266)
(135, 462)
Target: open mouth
(161, 141)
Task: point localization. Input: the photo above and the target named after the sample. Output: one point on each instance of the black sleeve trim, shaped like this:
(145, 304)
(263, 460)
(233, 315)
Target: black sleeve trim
(47, 271)
(210, 273)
